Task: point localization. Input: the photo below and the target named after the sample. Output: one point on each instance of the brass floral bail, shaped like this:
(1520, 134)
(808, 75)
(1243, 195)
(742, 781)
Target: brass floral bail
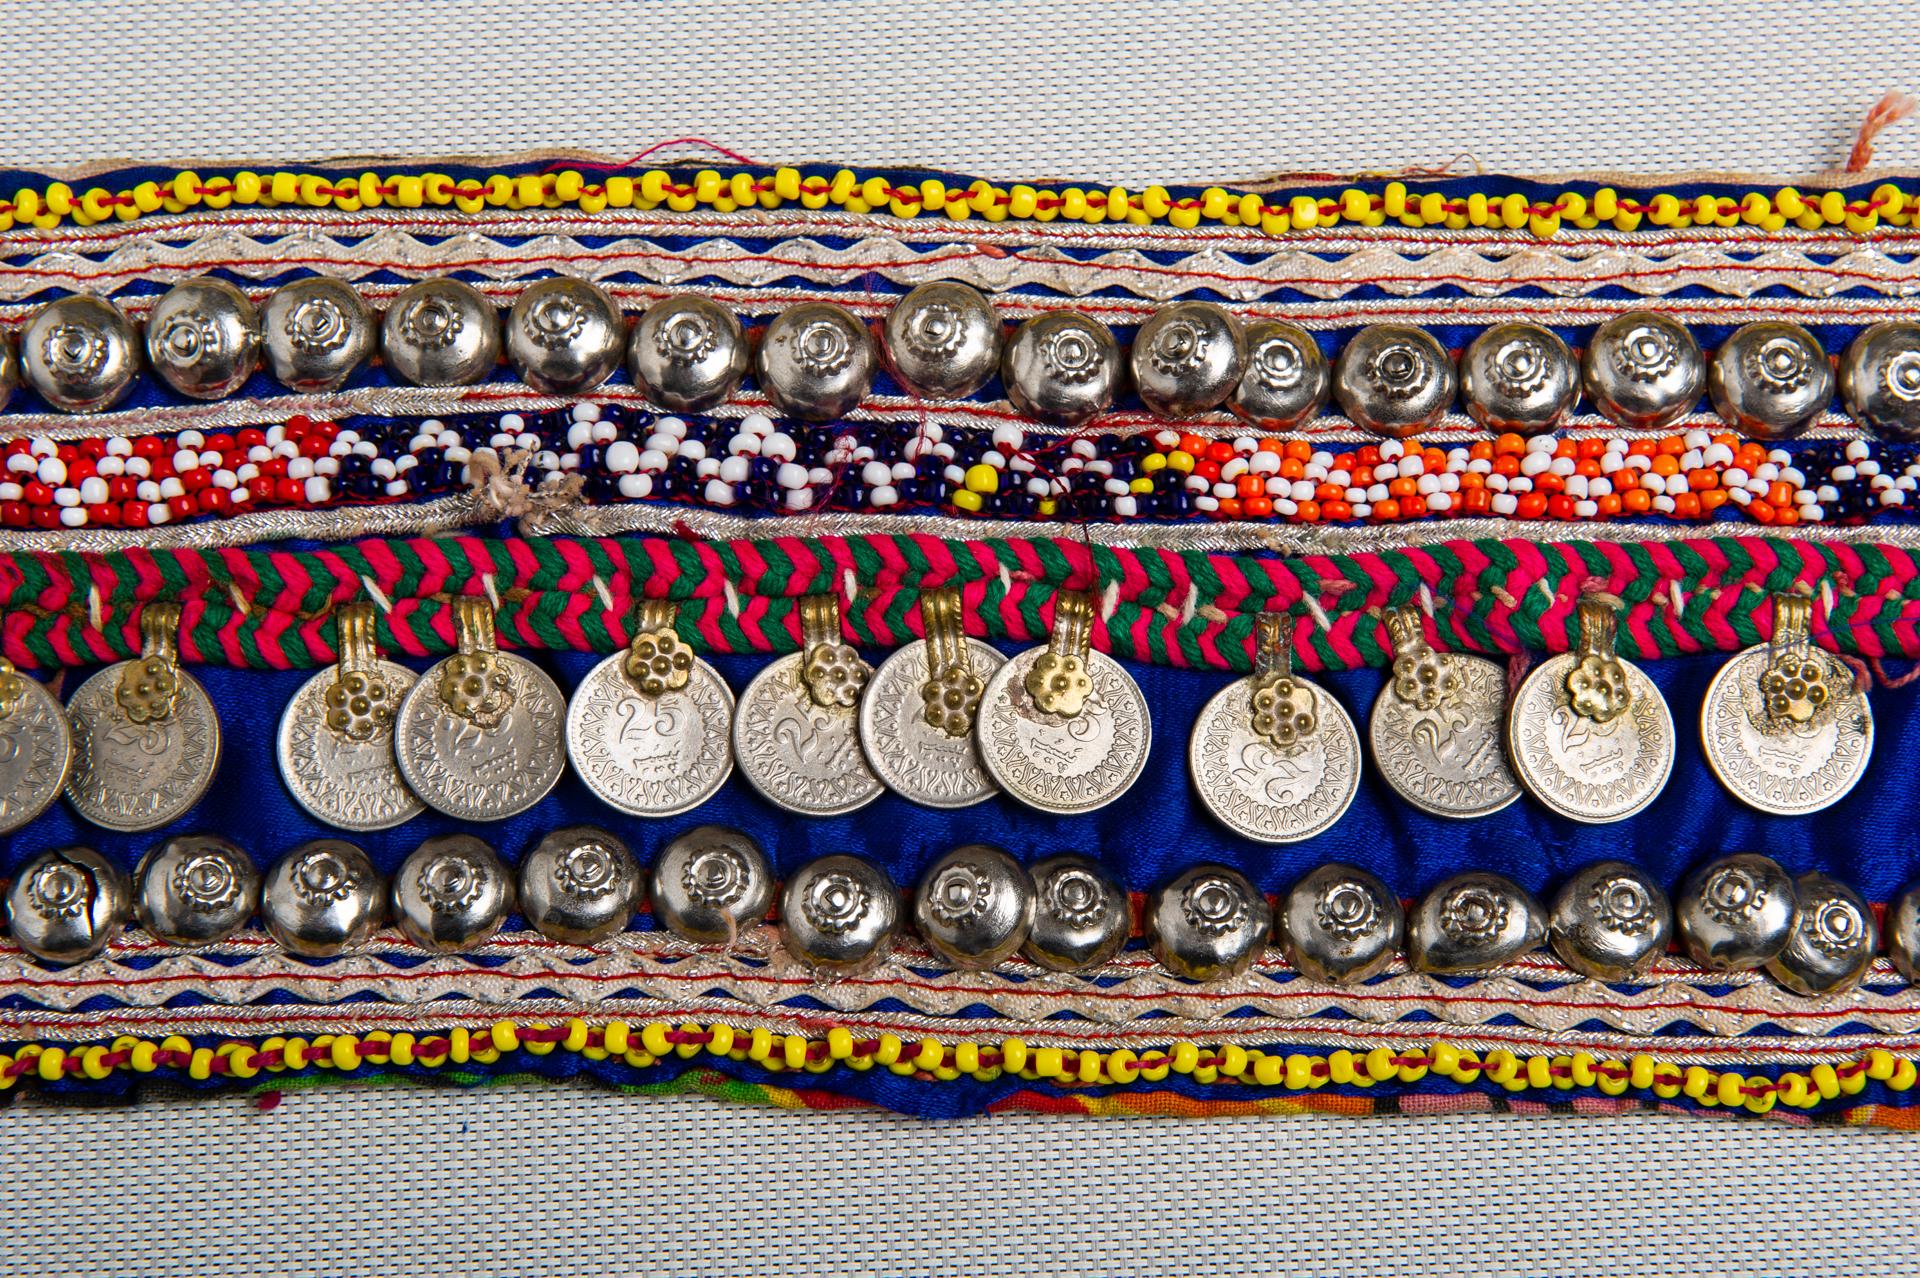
(360, 704)
(1058, 680)
(473, 685)
(1284, 709)
(1794, 682)
(1597, 687)
(150, 683)
(833, 672)
(658, 661)
(952, 690)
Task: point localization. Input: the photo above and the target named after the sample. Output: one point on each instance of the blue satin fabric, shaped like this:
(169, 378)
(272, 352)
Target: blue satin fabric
(1158, 828)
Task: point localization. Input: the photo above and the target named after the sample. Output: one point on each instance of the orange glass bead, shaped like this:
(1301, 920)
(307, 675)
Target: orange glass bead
(1273, 444)
(1638, 501)
(1509, 443)
(1299, 450)
(1687, 506)
(1404, 487)
(1258, 507)
(1388, 509)
(1666, 464)
(1308, 512)
(1713, 499)
(1229, 508)
(1249, 486)
(1608, 504)
(1531, 505)
(1480, 450)
(1781, 493)
(1293, 468)
(1337, 511)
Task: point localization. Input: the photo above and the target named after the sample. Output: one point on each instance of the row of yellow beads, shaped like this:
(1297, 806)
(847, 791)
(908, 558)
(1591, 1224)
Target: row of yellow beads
(846, 190)
(647, 1044)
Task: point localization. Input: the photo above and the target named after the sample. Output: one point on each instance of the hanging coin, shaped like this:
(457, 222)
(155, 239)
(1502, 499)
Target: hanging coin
(1436, 727)
(1063, 728)
(916, 719)
(1785, 729)
(146, 740)
(649, 729)
(478, 737)
(797, 736)
(36, 748)
(336, 736)
(1589, 734)
(1273, 755)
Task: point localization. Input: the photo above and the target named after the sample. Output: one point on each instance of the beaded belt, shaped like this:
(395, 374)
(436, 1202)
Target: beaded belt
(1063, 648)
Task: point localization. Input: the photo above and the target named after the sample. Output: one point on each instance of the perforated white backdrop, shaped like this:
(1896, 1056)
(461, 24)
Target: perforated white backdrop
(568, 1181)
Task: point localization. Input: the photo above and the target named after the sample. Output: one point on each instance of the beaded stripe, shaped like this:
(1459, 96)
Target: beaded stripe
(931, 1060)
(48, 207)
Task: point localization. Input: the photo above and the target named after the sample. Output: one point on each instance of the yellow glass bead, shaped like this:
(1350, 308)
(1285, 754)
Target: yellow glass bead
(1640, 1071)
(146, 197)
(620, 192)
(1073, 204)
(839, 1042)
(344, 1051)
(1304, 211)
(185, 189)
(841, 188)
(1013, 1055)
(653, 186)
(1233, 1060)
(1432, 208)
(1573, 205)
(1731, 1089)
(506, 1037)
(1544, 226)
(1354, 204)
(242, 1062)
(861, 1063)
(1184, 215)
(1833, 206)
(400, 1049)
(1479, 209)
(876, 191)
(653, 1040)
(217, 194)
(576, 1035)
(26, 204)
(933, 195)
(966, 1058)
(1879, 1064)
(1120, 204)
(460, 1046)
(982, 478)
(1666, 1084)
(1380, 1066)
(1299, 1073)
(1560, 1073)
(199, 1064)
(889, 1050)
(1514, 211)
(966, 499)
(315, 191)
(7, 1078)
(1213, 203)
(1178, 459)
(1268, 1071)
(275, 1048)
(1021, 201)
(540, 1046)
(1890, 198)
(1789, 202)
(1446, 1059)
(720, 1039)
(1155, 202)
(1414, 1073)
(1468, 1068)
(1121, 1066)
(1090, 1065)
(528, 193)
(93, 1062)
(1155, 1066)
(1185, 1056)
(1048, 1061)
(1501, 1065)
(1792, 1088)
(284, 187)
(615, 1036)
(1664, 210)
(94, 203)
(1394, 199)
(1904, 1073)
(1853, 1082)
(690, 1045)
(1341, 1067)
(1698, 1081)
(786, 183)
(793, 1051)
(929, 1054)
(1611, 1078)
(1252, 208)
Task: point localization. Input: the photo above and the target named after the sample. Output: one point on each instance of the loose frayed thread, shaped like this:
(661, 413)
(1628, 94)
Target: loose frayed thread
(1888, 111)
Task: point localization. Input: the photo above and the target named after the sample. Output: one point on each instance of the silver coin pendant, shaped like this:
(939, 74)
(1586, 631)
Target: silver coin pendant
(344, 773)
(1064, 728)
(36, 750)
(1435, 729)
(1783, 725)
(920, 761)
(1268, 791)
(651, 755)
(133, 776)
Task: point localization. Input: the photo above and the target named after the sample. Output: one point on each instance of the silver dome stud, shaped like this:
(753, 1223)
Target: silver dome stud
(942, 340)
(815, 361)
(1286, 379)
(564, 336)
(203, 338)
(316, 333)
(711, 884)
(1394, 380)
(66, 904)
(974, 906)
(440, 332)
(1208, 923)
(1880, 379)
(1736, 913)
(451, 893)
(1643, 370)
(1062, 367)
(1339, 924)
(839, 915)
(195, 889)
(9, 368)
(1471, 921)
(1187, 358)
(1832, 942)
(1770, 380)
(1903, 933)
(79, 354)
(1081, 917)
(1610, 921)
(687, 353)
(1519, 378)
(580, 885)
(323, 897)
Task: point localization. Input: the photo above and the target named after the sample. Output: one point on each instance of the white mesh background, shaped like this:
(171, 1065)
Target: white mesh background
(1129, 91)
(563, 1181)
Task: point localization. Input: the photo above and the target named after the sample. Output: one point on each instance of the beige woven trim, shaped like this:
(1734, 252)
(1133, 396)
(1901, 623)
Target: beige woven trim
(1133, 993)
